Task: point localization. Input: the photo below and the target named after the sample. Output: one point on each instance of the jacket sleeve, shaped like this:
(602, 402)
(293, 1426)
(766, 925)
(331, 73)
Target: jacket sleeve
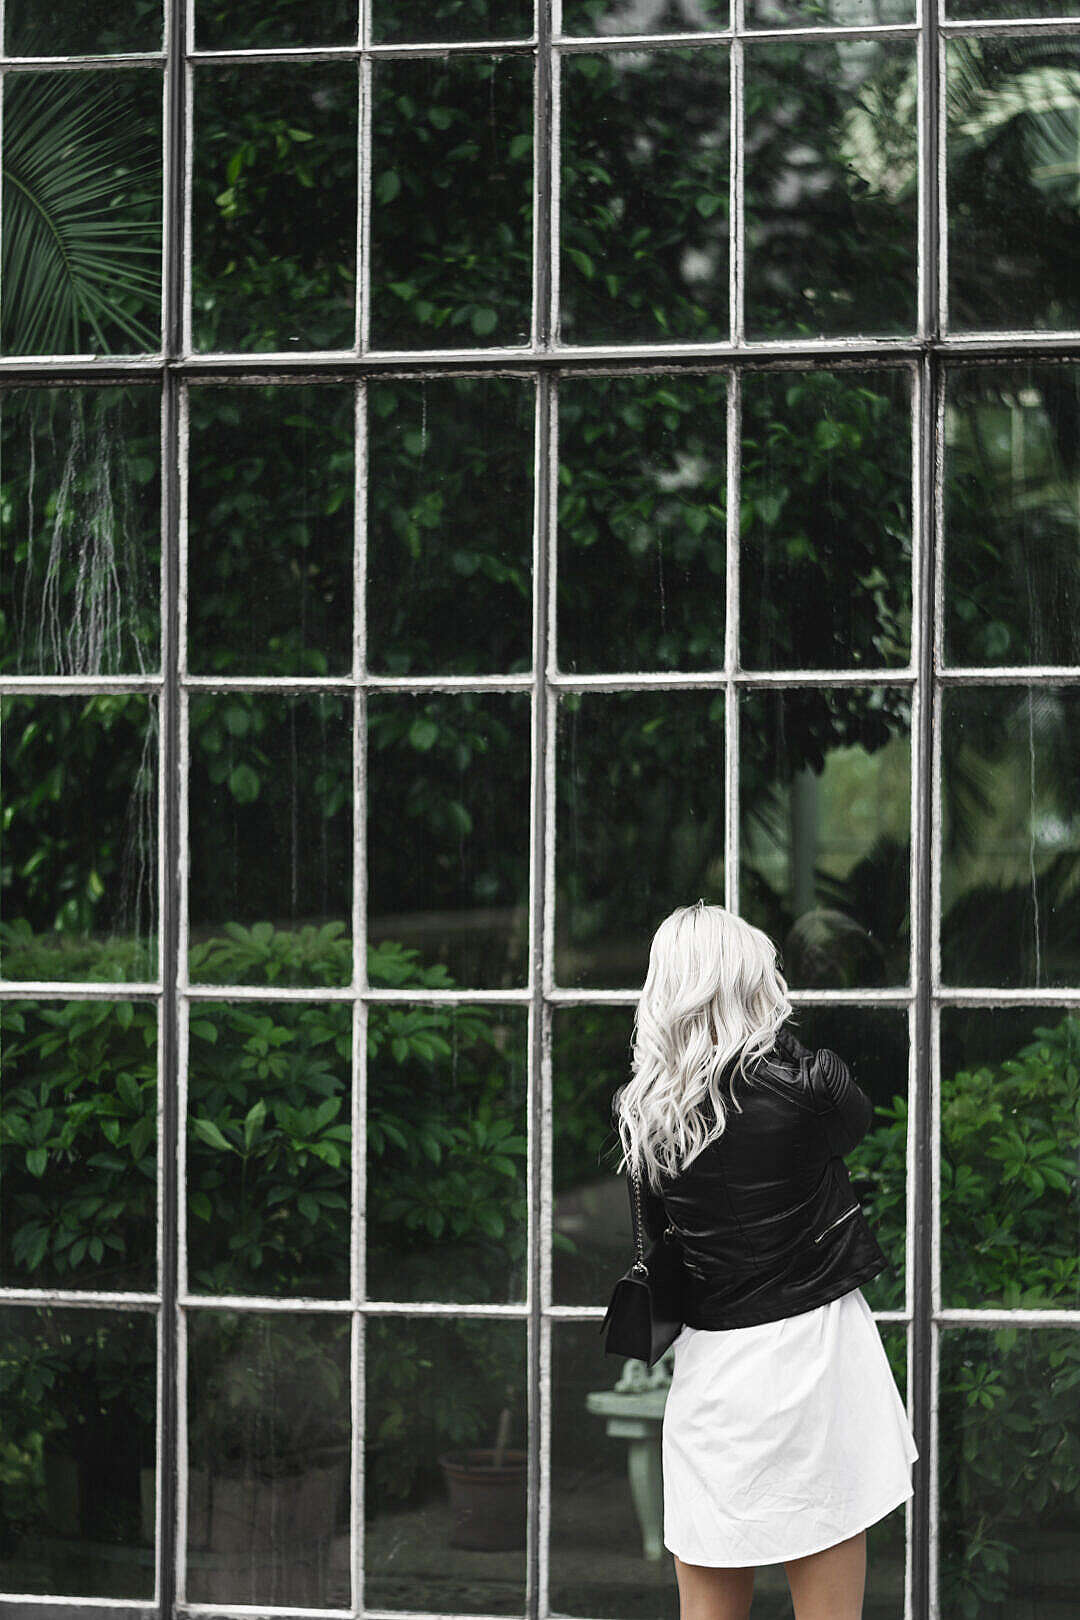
(843, 1107)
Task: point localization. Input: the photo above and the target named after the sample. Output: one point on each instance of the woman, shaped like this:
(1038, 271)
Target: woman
(784, 1434)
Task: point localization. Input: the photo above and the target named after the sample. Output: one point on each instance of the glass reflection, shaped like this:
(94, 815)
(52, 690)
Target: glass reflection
(271, 839)
(642, 522)
(963, 9)
(1014, 230)
(82, 212)
(80, 520)
(447, 1202)
(78, 1145)
(592, 1239)
(438, 20)
(1010, 1524)
(250, 24)
(77, 1492)
(270, 530)
(828, 13)
(79, 889)
(445, 1465)
(1012, 515)
(81, 28)
(450, 521)
(268, 1148)
(1010, 836)
(644, 16)
(826, 519)
(452, 178)
(645, 196)
(825, 829)
(268, 1445)
(831, 188)
(607, 1554)
(448, 838)
(1010, 1158)
(639, 822)
(274, 207)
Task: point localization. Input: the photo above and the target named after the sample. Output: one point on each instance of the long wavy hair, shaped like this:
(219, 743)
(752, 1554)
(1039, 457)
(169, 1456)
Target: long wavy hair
(713, 1000)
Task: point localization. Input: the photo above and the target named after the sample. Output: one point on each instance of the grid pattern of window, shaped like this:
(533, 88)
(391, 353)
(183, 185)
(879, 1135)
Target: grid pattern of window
(471, 482)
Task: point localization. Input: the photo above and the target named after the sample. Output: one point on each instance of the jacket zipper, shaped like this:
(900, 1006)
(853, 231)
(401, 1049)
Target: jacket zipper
(837, 1221)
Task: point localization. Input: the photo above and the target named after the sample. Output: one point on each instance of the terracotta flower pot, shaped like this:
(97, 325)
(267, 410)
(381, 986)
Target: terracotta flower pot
(488, 1501)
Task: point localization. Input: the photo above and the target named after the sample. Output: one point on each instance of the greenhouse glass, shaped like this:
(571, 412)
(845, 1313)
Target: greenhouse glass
(454, 461)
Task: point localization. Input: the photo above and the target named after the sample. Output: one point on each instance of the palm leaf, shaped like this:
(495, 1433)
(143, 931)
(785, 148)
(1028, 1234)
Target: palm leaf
(81, 262)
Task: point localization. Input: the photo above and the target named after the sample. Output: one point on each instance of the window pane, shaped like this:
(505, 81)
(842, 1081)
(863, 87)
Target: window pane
(874, 1043)
(607, 1554)
(1010, 1157)
(82, 212)
(644, 16)
(1012, 515)
(80, 521)
(825, 778)
(78, 1145)
(639, 823)
(77, 1502)
(269, 1128)
(448, 838)
(248, 24)
(452, 178)
(1010, 1522)
(592, 1241)
(963, 9)
(81, 27)
(828, 13)
(271, 839)
(270, 530)
(274, 211)
(831, 189)
(80, 831)
(438, 20)
(450, 525)
(445, 1530)
(1010, 836)
(268, 1442)
(645, 196)
(447, 1202)
(642, 522)
(826, 519)
(1014, 231)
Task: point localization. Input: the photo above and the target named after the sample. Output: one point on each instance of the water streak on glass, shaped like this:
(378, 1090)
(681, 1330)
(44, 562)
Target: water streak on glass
(80, 531)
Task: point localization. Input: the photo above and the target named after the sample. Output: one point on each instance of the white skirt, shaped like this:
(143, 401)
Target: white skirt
(782, 1439)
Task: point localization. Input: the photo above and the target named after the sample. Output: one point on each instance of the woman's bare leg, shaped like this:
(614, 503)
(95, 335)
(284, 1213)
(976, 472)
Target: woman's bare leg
(829, 1585)
(713, 1594)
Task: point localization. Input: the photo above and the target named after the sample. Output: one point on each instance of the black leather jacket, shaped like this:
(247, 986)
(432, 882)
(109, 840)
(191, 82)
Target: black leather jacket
(769, 1222)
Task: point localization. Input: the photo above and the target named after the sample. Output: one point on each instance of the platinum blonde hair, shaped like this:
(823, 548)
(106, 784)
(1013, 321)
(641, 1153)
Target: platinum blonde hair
(713, 996)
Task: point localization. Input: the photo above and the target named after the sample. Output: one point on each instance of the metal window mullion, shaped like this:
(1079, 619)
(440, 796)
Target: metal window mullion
(539, 1096)
(731, 641)
(364, 142)
(736, 208)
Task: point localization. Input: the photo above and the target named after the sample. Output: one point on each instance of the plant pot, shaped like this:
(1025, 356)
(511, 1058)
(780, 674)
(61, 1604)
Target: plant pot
(488, 1502)
(263, 1540)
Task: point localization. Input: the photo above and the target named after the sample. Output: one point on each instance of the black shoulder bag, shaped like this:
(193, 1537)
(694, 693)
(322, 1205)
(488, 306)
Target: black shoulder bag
(644, 1315)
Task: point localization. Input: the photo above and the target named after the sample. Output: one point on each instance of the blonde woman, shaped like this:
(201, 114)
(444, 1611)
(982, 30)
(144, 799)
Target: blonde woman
(784, 1434)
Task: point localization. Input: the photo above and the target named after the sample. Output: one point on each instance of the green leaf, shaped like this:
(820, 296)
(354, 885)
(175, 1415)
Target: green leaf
(36, 1160)
(208, 1132)
(243, 784)
(253, 1122)
(484, 321)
